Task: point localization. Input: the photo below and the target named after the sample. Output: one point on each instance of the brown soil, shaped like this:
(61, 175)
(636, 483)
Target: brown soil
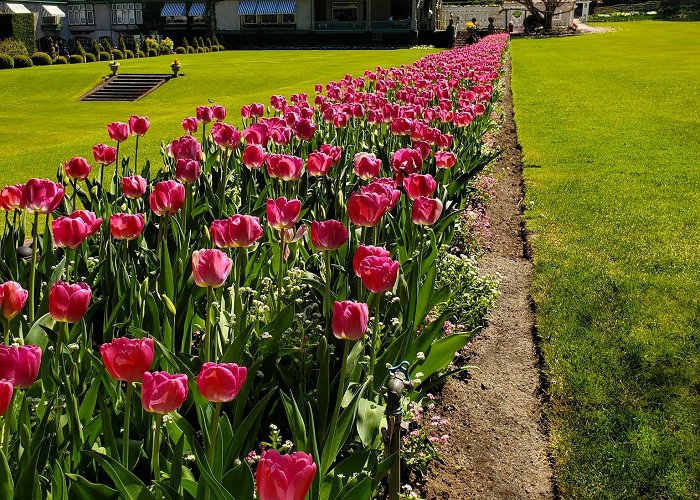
(498, 439)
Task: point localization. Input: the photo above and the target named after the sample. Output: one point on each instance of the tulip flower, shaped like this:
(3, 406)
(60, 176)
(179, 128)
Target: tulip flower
(334, 152)
(167, 198)
(6, 393)
(220, 383)
(285, 167)
(68, 232)
(304, 129)
(367, 166)
(445, 159)
(126, 226)
(218, 112)
(318, 164)
(103, 154)
(190, 124)
(204, 114)
(8, 362)
(210, 268)
(238, 231)
(253, 156)
(426, 211)
(406, 161)
(133, 187)
(138, 125)
(161, 393)
(257, 133)
(118, 131)
(350, 320)
(364, 251)
(27, 367)
(328, 235)
(92, 222)
(378, 274)
(367, 209)
(257, 109)
(225, 136)
(283, 213)
(77, 168)
(281, 135)
(186, 148)
(187, 171)
(68, 303)
(284, 477)
(417, 185)
(41, 196)
(12, 299)
(385, 188)
(128, 359)
(11, 197)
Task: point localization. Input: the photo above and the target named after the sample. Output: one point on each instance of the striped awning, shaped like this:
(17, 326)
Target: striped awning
(196, 10)
(173, 10)
(266, 7)
(247, 7)
(17, 8)
(287, 7)
(52, 10)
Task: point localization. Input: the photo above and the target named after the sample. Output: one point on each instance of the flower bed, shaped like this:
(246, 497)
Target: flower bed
(175, 314)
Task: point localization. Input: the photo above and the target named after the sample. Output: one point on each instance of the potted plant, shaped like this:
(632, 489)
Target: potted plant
(114, 66)
(175, 66)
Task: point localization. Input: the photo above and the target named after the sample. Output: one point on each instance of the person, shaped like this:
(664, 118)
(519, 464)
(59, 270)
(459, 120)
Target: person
(476, 25)
(450, 33)
(491, 29)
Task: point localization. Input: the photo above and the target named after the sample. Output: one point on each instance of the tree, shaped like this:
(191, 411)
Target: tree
(545, 9)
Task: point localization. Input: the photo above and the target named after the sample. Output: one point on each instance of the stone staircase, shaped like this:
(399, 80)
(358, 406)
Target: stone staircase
(126, 87)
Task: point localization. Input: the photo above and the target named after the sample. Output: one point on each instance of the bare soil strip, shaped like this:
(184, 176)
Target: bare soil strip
(498, 441)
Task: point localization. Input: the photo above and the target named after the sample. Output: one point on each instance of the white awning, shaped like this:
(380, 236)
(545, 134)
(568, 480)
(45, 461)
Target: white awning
(52, 10)
(247, 7)
(197, 10)
(173, 10)
(17, 8)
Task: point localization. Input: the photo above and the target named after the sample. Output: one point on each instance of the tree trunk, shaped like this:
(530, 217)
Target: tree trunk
(211, 17)
(548, 15)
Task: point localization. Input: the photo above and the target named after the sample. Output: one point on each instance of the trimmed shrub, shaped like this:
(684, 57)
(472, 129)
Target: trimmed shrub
(95, 48)
(181, 50)
(166, 46)
(191, 50)
(134, 46)
(19, 27)
(152, 53)
(79, 49)
(103, 56)
(41, 59)
(200, 50)
(214, 40)
(23, 62)
(214, 48)
(184, 42)
(60, 60)
(76, 59)
(221, 48)
(141, 53)
(128, 54)
(208, 42)
(6, 61)
(151, 44)
(90, 57)
(201, 41)
(122, 45)
(196, 43)
(117, 54)
(13, 48)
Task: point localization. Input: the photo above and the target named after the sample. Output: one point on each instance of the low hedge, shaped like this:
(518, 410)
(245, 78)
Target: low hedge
(76, 59)
(129, 54)
(152, 53)
(90, 57)
(181, 50)
(104, 56)
(117, 54)
(6, 61)
(23, 62)
(191, 50)
(141, 53)
(60, 60)
(41, 59)
(21, 28)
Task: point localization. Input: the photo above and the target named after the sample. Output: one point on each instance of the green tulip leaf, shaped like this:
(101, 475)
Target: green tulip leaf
(128, 485)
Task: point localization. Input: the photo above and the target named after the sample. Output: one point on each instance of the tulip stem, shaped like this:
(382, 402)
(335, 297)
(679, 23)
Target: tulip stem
(75, 191)
(375, 335)
(280, 283)
(136, 155)
(6, 429)
(32, 271)
(127, 421)
(213, 430)
(341, 386)
(6, 328)
(329, 309)
(156, 451)
(207, 325)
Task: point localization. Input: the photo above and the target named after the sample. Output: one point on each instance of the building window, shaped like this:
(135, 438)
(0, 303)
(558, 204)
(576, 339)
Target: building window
(344, 11)
(81, 14)
(556, 17)
(176, 20)
(127, 13)
(250, 20)
(268, 19)
(198, 20)
(289, 19)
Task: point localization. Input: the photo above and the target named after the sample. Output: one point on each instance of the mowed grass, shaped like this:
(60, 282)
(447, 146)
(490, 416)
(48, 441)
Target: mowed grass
(610, 129)
(42, 123)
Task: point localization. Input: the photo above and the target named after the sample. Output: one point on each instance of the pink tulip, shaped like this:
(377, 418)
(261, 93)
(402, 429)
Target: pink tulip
(378, 274)
(12, 299)
(328, 235)
(284, 477)
(92, 222)
(417, 185)
(426, 211)
(367, 209)
(106, 155)
(11, 197)
(238, 231)
(126, 226)
(68, 303)
(367, 166)
(204, 114)
(41, 196)
(285, 167)
(138, 125)
(186, 148)
(318, 163)
(210, 267)
(445, 159)
(28, 364)
(162, 392)
(225, 136)
(220, 383)
(118, 131)
(128, 359)
(167, 198)
(350, 320)
(254, 156)
(133, 187)
(257, 133)
(188, 171)
(305, 129)
(6, 391)
(68, 232)
(218, 112)
(364, 251)
(190, 124)
(77, 168)
(8, 362)
(283, 213)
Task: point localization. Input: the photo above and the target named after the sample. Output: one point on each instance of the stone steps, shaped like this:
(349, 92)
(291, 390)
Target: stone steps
(126, 87)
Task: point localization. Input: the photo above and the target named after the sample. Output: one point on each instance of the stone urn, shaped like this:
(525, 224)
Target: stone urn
(175, 66)
(114, 66)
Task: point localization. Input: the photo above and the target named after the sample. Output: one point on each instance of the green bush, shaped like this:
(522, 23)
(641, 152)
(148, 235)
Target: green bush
(184, 42)
(214, 48)
(166, 45)
(181, 50)
(152, 52)
(90, 57)
(214, 40)
(532, 23)
(76, 59)
(19, 27)
(141, 53)
(6, 61)
(103, 56)
(151, 44)
(122, 45)
(95, 48)
(41, 59)
(191, 50)
(128, 54)
(79, 49)
(117, 54)
(208, 42)
(60, 60)
(200, 50)
(13, 48)
(23, 62)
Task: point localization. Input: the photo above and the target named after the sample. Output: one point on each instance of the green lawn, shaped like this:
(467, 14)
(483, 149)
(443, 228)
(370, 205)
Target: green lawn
(610, 129)
(42, 123)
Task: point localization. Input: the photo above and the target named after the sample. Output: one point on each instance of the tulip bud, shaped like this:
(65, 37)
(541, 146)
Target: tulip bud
(169, 304)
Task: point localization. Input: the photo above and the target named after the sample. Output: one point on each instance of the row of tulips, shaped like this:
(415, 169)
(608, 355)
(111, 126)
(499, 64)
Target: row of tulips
(195, 282)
